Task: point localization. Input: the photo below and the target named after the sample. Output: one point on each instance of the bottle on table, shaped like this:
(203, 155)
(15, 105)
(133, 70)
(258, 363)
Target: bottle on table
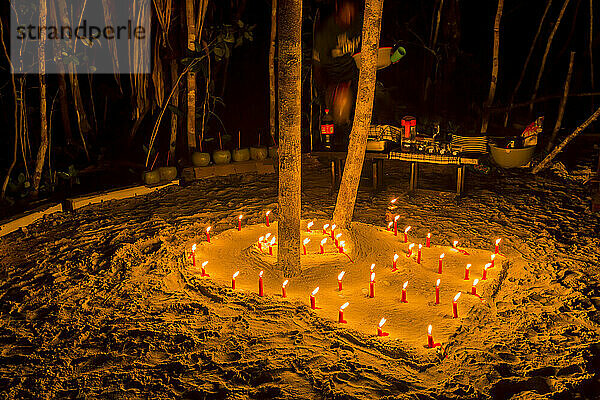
(327, 131)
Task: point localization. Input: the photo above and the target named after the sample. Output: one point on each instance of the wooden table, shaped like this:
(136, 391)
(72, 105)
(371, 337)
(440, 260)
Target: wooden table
(337, 160)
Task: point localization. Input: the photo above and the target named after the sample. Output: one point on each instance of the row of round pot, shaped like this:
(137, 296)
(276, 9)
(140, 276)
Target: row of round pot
(220, 157)
(161, 174)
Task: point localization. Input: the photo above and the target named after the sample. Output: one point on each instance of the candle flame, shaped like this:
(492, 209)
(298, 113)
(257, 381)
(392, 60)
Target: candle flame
(325, 226)
(405, 285)
(342, 244)
(488, 265)
(240, 217)
(305, 241)
(204, 264)
(310, 224)
(323, 241)
(394, 200)
(407, 229)
(410, 247)
(396, 217)
(267, 236)
(272, 242)
(372, 267)
(438, 282)
(390, 224)
(468, 266)
(395, 257)
(285, 283)
(235, 275)
(455, 243)
(429, 330)
(333, 227)
(493, 257)
(208, 229)
(475, 282)
(268, 212)
(420, 246)
(194, 247)
(498, 241)
(383, 320)
(442, 256)
(429, 235)
(372, 276)
(338, 235)
(315, 291)
(260, 239)
(341, 275)
(260, 274)
(456, 297)
(346, 304)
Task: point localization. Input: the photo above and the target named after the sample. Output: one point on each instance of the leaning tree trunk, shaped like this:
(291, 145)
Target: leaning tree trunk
(175, 103)
(563, 103)
(495, 61)
(272, 96)
(41, 155)
(290, 63)
(191, 76)
(346, 199)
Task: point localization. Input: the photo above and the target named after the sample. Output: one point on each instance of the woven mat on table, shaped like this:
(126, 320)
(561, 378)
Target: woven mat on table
(385, 132)
(432, 158)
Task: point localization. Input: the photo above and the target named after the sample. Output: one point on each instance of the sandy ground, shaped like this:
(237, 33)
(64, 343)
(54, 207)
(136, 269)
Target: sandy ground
(104, 302)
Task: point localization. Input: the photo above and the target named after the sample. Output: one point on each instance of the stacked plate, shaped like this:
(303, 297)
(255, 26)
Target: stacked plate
(471, 144)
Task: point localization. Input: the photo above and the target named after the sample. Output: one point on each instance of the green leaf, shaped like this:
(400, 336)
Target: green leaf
(21, 178)
(175, 111)
(240, 23)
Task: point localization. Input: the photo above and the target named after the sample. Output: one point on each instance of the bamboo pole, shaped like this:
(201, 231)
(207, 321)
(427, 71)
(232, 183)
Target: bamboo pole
(526, 64)
(542, 100)
(174, 116)
(43, 149)
(495, 66)
(344, 207)
(546, 51)
(563, 103)
(191, 76)
(14, 90)
(272, 93)
(559, 148)
(591, 43)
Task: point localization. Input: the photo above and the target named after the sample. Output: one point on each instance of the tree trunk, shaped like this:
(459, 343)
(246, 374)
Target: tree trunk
(546, 51)
(344, 208)
(16, 108)
(563, 102)
(174, 103)
(272, 94)
(290, 161)
(191, 76)
(495, 61)
(591, 43)
(43, 149)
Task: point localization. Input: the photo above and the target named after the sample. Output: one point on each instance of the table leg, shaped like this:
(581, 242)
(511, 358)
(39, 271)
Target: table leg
(379, 172)
(375, 174)
(333, 178)
(460, 179)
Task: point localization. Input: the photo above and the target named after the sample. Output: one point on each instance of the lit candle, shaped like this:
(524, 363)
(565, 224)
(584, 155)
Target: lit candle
(267, 216)
(267, 236)
(467, 267)
(393, 201)
(493, 257)
(437, 292)
(240, 222)
(428, 240)
(337, 237)
(389, 228)
(404, 292)
(396, 225)
(406, 234)
(208, 234)
(325, 229)
(271, 243)
(260, 284)
(454, 244)
(203, 270)
(313, 302)
(341, 319)
(340, 277)
(430, 338)
(380, 331)
(308, 226)
(193, 255)
(233, 279)
(485, 268)
(342, 244)
(497, 249)
(304, 243)
(322, 244)
(372, 267)
(394, 265)
(455, 305)
(410, 250)
(440, 263)
(332, 231)
(419, 254)
(260, 240)
(284, 288)
(474, 288)
(372, 285)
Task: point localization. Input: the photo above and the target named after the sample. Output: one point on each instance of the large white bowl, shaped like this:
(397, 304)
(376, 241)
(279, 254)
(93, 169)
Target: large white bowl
(511, 158)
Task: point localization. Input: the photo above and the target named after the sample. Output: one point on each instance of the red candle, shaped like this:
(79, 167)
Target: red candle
(389, 228)
(337, 238)
(497, 249)
(260, 284)
(454, 244)
(233, 279)
(410, 250)
(406, 234)
(308, 226)
(304, 243)
(271, 243)
(333, 231)
(396, 225)
(372, 267)
(380, 331)
(372, 285)
(437, 292)
(467, 267)
(260, 240)
(267, 215)
(455, 305)
(493, 257)
(193, 256)
(419, 255)
(404, 292)
(341, 319)
(485, 268)
(428, 240)
(473, 288)
(267, 236)
(341, 248)
(203, 270)
(208, 234)
(430, 338)
(240, 222)
(440, 263)
(322, 244)
(393, 201)
(313, 302)
(325, 229)
(394, 265)
(283, 288)
(340, 277)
